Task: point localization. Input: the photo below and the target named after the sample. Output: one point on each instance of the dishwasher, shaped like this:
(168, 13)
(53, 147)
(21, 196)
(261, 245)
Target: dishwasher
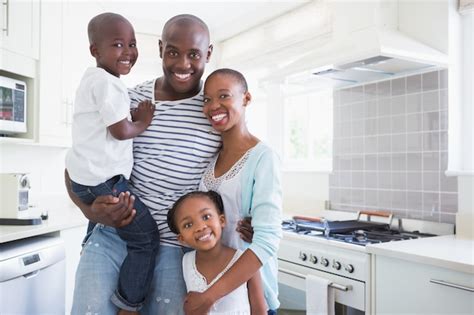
(32, 276)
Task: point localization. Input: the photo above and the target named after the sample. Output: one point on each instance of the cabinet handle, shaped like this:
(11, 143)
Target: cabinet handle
(6, 16)
(331, 284)
(452, 285)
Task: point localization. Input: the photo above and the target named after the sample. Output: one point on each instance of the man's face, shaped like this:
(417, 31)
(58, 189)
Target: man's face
(185, 51)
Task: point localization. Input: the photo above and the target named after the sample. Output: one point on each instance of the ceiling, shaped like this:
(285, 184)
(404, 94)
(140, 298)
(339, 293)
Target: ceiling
(225, 18)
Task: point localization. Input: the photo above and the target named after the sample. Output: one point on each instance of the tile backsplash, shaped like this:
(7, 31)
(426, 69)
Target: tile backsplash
(390, 148)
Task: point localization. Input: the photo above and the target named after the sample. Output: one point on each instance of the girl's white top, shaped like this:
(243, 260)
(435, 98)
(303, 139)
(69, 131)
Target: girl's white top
(234, 303)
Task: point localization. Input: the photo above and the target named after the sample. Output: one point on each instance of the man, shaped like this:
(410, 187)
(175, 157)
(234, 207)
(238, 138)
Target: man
(169, 159)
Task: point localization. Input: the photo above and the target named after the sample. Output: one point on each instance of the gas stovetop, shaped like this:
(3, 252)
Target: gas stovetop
(356, 232)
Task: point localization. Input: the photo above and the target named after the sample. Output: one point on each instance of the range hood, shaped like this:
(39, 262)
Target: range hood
(383, 55)
(384, 45)
(369, 69)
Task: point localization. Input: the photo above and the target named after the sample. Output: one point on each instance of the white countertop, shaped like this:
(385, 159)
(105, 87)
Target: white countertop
(443, 251)
(64, 215)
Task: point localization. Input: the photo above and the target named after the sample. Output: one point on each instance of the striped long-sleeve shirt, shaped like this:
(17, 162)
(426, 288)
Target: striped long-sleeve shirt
(171, 155)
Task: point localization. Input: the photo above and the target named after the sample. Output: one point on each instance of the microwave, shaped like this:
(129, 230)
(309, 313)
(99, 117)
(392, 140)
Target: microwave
(12, 106)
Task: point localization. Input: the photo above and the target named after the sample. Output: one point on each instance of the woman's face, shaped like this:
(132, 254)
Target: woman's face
(224, 102)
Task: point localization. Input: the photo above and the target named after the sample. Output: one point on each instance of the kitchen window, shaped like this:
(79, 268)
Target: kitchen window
(308, 129)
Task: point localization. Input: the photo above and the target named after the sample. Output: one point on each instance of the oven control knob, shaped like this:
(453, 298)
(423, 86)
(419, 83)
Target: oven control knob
(303, 256)
(349, 268)
(336, 265)
(313, 259)
(324, 262)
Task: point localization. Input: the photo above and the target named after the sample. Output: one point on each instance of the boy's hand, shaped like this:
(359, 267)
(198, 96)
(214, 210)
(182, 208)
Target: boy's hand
(144, 112)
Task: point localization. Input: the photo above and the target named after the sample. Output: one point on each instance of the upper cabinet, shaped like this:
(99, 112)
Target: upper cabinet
(19, 37)
(64, 56)
(20, 27)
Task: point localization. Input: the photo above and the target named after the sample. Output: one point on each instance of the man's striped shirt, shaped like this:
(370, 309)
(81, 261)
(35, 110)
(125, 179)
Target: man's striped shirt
(171, 155)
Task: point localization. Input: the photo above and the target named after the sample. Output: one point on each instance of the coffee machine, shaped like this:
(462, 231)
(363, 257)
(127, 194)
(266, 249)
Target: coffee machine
(14, 200)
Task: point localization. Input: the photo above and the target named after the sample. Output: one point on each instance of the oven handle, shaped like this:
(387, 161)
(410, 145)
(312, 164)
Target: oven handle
(331, 284)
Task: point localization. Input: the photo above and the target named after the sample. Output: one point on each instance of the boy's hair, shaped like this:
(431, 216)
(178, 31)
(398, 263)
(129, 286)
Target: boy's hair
(213, 196)
(236, 75)
(98, 22)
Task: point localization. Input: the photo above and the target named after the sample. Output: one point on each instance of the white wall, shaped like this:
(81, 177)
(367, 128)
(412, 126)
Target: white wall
(304, 193)
(45, 166)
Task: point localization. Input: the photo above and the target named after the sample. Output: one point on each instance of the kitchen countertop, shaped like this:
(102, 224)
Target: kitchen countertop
(64, 216)
(446, 251)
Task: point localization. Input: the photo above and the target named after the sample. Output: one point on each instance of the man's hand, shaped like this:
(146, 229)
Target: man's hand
(113, 211)
(245, 230)
(197, 303)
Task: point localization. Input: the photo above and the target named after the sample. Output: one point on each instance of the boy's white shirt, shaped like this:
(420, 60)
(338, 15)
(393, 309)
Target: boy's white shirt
(96, 156)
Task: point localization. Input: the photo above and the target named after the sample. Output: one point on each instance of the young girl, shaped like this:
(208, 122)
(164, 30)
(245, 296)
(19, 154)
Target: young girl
(198, 219)
(246, 174)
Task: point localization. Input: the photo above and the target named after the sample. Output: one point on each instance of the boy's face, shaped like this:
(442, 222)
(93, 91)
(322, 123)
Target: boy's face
(185, 50)
(116, 49)
(199, 223)
(224, 102)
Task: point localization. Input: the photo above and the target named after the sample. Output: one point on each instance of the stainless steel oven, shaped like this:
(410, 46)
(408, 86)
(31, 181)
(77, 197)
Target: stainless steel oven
(348, 272)
(334, 249)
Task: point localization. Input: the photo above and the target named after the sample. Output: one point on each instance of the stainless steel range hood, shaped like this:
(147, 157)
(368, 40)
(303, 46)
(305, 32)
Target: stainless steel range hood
(375, 44)
(373, 55)
(369, 69)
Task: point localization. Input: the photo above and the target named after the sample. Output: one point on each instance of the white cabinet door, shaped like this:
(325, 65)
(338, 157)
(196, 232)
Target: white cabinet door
(64, 58)
(403, 287)
(54, 127)
(20, 27)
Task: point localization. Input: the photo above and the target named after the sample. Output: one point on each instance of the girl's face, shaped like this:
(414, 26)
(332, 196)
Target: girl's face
(224, 102)
(199, 223)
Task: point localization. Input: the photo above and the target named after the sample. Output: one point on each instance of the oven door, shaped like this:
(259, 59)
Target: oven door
(349, 294)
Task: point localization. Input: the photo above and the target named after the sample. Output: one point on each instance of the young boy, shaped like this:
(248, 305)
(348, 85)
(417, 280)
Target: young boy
(100, 160)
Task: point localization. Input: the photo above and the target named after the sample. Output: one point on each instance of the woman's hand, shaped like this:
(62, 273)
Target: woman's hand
(245, 229)
(113, 211)
(197, 303)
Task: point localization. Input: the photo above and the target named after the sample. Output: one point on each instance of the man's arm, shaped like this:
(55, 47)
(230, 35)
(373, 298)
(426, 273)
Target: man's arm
(108, 210)
(258, 306)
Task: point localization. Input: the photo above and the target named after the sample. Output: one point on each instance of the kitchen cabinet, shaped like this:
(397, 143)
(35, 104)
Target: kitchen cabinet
(403, 287)
(20, 27)
(64, 56)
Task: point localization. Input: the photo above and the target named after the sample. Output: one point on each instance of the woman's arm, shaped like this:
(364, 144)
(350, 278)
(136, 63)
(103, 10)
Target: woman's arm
(258, 306)
(266, 222)
(108, 210)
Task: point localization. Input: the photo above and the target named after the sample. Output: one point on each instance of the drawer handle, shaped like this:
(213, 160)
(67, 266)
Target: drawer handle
(31, 274)
(452, 285)
(331, 284)
(6, 16)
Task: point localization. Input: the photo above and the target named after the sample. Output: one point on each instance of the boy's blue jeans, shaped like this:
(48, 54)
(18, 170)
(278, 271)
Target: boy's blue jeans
(142, 238)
